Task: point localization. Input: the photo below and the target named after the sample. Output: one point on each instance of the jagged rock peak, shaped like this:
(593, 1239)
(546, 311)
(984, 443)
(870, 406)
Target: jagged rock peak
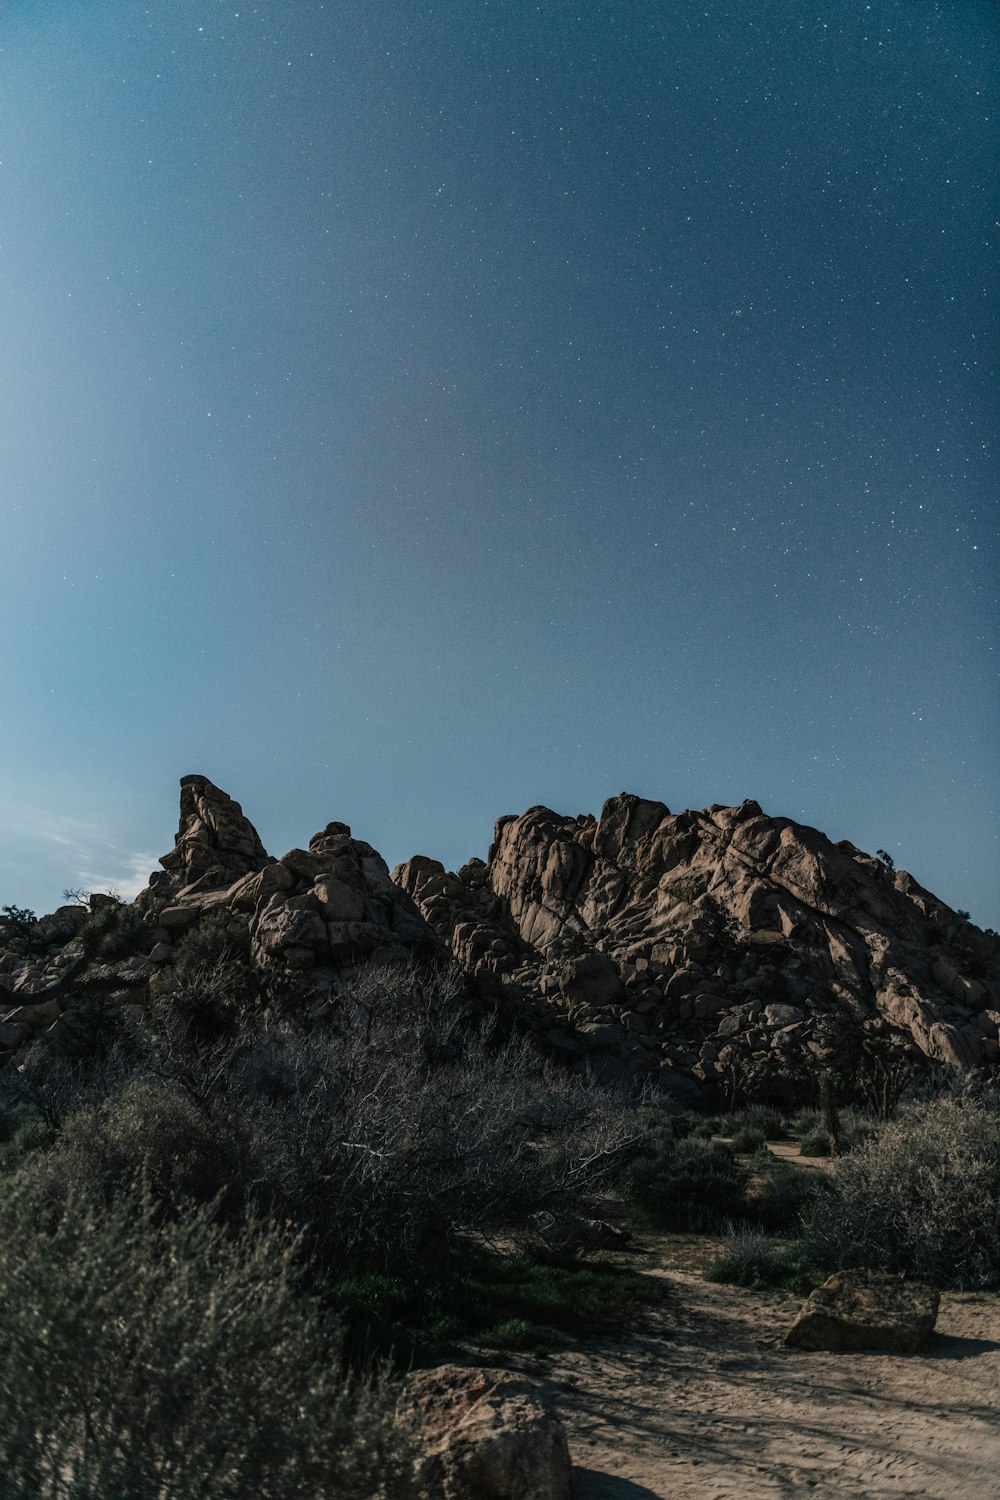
(215, 843)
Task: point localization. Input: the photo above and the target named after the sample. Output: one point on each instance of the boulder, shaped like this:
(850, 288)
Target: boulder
(487, 1435)
(866, 1310)
(37, 1016)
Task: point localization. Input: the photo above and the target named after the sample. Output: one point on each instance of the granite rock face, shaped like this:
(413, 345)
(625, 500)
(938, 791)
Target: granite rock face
(215, 843)
(721, 953)
(332, 904)
(715, 947)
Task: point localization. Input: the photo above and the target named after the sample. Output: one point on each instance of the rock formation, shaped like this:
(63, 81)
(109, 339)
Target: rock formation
(332, 904)
(866, 1310)
(722, 953)
(714, 946)
(215, 843)
(324, 910)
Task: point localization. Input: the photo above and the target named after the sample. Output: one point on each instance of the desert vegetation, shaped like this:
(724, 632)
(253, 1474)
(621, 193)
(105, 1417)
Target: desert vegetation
(255, 1210)
(269, 1194)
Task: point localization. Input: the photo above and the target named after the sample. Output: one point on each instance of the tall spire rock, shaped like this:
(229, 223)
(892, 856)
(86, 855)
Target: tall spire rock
(216, 845)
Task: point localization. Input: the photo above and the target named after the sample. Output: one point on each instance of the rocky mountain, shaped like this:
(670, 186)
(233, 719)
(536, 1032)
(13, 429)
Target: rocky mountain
(721, 952)
(715, 946)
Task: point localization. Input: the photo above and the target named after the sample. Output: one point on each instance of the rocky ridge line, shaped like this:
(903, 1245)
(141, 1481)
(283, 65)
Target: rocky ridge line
(708, 944)
(718, 952)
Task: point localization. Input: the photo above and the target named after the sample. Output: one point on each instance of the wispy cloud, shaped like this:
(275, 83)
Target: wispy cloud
(59, 851)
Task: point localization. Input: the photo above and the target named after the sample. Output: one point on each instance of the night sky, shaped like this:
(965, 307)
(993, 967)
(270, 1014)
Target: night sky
(411, 413)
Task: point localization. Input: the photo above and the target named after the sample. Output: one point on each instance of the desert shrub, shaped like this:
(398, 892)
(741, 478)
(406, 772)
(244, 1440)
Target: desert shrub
(54, 1081)
(168, 1359)
(816, 1143)
(151, 1133)
(378, 1130)
(686, 1184)
(22, 1131)
(496, 1300)
(220, 937)
(689, 1123)
(764, 1118)
(751, 1258)
(19, 930)
(115, 930)
(385, 1136)
(780, 1197)
(215, 983)
(93, 1023)
(921, 1197)
(747, 1139)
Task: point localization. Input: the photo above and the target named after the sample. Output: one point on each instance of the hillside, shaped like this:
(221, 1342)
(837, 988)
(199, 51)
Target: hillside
(722, 953)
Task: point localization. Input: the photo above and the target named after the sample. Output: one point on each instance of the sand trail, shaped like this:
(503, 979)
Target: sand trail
(702, 1405)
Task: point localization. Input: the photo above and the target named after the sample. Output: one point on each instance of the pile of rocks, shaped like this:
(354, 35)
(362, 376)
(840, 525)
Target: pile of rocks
(710, 950)
(710, 947)
(332, 904)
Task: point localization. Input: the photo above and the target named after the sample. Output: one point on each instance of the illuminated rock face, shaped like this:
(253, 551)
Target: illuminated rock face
(332, 904)
(215, 843)
(726, 946)
(725, 953)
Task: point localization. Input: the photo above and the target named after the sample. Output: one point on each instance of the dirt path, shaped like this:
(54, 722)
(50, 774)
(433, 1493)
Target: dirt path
(701, 1406)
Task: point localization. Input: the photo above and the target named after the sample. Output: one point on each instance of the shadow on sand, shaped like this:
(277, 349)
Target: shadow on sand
(950, 1346)
(594, 1484)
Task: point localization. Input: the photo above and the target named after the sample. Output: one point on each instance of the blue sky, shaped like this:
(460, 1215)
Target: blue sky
(411, 413)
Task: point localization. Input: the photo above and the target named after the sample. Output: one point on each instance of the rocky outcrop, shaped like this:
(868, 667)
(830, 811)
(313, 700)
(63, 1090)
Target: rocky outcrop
(322, 911)
(723, 953)
(332, 905)
(487, 1435)
(865, 1310)
(723, 946)
(215, 843)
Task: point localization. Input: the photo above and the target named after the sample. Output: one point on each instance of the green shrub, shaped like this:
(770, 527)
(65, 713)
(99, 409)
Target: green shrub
(92, 1024)
(142, 1357)
(746, 1139)
(765, 1119)
(220, 937)
(151, 1132)
(19, 930)
(21, 1133)
(686, 1184)
(921, 1197)
(493, 1299)
(114, 931)
(816, 1143)
(780, 1197)
(751, 1259)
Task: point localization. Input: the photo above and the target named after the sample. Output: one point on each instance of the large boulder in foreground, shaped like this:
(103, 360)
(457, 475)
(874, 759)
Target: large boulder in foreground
(487, 1435)
(866, 1310)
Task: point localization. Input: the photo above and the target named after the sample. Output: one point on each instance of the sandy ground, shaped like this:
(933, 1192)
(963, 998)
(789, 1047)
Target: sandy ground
(701, 1405)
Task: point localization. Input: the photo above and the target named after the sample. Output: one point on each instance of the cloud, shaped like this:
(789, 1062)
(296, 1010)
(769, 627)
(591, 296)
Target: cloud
(54, 851)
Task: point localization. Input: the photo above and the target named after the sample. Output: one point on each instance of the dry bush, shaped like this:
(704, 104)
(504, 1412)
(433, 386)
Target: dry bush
(399, 1124)
(166, 1359)
(922, 1197)
(394, 1121)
